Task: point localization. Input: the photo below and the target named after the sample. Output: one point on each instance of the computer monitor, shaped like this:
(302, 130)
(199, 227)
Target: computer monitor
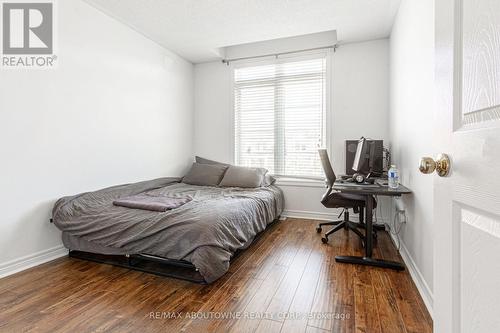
(360, 157)
(367, 159)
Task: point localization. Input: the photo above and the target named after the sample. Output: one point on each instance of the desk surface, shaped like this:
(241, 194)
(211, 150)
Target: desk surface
(370, 189)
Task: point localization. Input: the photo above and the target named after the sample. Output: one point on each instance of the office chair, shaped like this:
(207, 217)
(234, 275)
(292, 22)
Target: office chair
(333, 199)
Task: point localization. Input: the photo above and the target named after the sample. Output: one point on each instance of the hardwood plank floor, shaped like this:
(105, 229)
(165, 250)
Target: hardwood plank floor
(287, 281)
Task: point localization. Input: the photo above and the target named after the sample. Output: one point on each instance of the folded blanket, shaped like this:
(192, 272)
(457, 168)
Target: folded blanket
(156, 203)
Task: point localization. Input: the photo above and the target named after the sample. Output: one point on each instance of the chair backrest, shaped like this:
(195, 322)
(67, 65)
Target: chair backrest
(327, 167)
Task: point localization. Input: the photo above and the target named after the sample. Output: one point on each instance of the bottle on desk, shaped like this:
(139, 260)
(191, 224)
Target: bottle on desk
(393, 177)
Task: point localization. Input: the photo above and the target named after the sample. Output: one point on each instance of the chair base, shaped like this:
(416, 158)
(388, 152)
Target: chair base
(370, 262)
(319, 228)
(348, 225)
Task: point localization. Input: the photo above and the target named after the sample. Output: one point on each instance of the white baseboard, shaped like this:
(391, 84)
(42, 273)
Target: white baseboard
(302, 214)
(32, 260)
(417, 277)
(320, 216)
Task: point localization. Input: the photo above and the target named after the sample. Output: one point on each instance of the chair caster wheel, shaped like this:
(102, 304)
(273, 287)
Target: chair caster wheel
(318, 230)
(324, 240)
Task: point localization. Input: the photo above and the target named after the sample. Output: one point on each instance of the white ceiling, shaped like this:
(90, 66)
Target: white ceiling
(196, 29)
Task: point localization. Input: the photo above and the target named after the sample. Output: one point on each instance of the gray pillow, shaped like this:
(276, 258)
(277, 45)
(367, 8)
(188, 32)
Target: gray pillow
(207, 161)
(237, 176)
(205, 174)
(268, 180)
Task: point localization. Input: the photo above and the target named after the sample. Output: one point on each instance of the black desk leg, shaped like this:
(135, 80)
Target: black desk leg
(369, 226)
(367, 259)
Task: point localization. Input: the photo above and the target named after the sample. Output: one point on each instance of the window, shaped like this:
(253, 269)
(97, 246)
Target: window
(280, 115)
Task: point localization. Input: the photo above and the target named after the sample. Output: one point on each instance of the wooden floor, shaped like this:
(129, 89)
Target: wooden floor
(286, 281)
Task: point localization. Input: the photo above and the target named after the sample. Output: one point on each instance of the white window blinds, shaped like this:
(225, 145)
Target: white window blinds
(280, 116)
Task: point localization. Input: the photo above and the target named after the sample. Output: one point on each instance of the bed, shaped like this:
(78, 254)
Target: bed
(205, 232)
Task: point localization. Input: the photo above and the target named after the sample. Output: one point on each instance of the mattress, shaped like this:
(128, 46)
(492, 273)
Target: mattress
(206, 231)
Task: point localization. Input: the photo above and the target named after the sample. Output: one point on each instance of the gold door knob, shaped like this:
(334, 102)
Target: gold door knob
(442, 165)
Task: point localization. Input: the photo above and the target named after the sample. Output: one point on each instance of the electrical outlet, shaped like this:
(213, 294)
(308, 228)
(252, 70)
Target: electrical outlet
(400, 206)
(402, 216)
(400, 209)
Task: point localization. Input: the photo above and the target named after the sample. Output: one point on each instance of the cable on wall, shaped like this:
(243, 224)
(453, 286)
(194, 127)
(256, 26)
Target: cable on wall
(394, 226)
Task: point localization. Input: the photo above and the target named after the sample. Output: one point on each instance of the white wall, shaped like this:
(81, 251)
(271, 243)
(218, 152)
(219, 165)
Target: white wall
(360, 106)
(411, 114)
(117, 109)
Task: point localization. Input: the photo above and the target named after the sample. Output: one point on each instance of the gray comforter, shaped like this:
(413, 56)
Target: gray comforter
(206, 231)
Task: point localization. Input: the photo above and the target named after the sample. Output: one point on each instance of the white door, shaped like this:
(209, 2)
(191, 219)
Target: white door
(467, 202)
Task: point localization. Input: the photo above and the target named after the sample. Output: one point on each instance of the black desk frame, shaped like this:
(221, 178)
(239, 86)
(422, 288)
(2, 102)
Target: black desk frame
(368, 192)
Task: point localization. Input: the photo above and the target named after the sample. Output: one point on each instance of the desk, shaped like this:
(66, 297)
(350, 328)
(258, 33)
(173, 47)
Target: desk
(368, 192)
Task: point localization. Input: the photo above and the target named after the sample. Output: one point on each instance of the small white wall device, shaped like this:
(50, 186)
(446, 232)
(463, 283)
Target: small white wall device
(400, 210)
(400, 206)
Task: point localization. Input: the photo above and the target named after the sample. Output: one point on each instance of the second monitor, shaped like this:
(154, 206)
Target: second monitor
(364, 156)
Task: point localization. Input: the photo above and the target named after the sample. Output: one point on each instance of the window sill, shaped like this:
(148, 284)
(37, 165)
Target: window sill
(299, 182)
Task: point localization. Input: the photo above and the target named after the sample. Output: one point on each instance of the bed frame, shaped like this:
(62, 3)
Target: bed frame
(178, 269)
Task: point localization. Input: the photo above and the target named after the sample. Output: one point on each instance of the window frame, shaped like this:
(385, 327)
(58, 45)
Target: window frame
(328, 114)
